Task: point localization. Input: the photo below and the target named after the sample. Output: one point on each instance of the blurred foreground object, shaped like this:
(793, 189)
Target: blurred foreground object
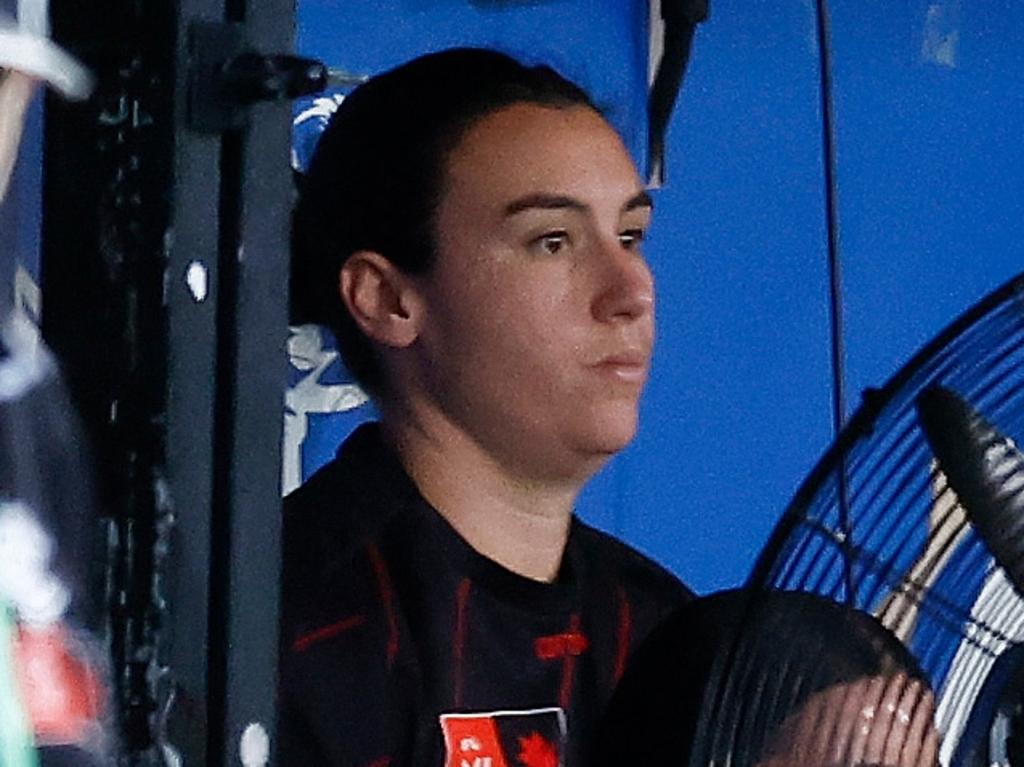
(771, 679)
(25, 46)
(16, 91)
(28, 57)
(52, 666)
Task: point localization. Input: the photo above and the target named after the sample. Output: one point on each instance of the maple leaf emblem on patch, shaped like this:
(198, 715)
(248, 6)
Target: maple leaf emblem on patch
(535, 751)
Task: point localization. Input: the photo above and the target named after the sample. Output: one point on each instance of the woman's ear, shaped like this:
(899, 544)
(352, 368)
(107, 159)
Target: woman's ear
(381, 298)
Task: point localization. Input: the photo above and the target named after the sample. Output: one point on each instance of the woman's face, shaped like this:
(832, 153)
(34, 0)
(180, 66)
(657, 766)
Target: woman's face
(883, 721)
(539, 313)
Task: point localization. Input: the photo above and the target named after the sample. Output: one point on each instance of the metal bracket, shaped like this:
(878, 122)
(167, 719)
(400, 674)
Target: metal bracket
(226, 77)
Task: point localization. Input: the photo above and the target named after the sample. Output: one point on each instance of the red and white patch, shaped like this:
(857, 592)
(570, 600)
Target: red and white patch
(63, 695)
(534, 738)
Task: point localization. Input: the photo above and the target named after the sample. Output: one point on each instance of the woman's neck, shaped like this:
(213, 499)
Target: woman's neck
(519, 522)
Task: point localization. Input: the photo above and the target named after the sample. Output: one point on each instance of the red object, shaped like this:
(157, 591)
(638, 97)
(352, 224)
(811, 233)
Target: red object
(624, 634)
(472, 741)
(459, 637)
(387, 596)
(536, 751)
(560, 645)
(568, 645)
(62, 694)
(306, 641)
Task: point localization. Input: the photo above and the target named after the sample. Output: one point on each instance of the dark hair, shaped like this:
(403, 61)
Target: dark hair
(714, 683)
(374, 182)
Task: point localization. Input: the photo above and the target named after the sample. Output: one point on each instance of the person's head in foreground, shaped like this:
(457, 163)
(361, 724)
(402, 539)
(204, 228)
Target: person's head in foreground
(771, 679)
(470, 228)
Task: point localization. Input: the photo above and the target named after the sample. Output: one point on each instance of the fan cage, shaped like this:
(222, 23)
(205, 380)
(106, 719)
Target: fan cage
(875, 527)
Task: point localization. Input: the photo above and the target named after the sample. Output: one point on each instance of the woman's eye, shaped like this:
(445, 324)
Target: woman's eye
(631, 238)
(553, 242)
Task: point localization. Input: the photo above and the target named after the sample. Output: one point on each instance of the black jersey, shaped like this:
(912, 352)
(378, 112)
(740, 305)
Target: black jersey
(401, 645)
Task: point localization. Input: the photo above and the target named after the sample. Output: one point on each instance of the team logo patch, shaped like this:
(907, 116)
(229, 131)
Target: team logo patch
(505, 738)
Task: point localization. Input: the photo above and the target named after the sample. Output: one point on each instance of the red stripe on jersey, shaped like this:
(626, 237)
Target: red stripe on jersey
(384, 761)
(624, 634)
(459, 639)
(576, 643)
(387, 596)
(563, 645)
(307, 640)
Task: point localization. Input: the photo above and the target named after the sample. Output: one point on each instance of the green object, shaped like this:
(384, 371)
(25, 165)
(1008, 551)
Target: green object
(17, 748)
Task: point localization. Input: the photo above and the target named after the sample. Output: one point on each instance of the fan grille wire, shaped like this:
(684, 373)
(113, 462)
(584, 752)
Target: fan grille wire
(876, 527)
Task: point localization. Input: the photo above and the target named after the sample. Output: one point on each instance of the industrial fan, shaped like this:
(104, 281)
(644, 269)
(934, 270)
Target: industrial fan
(884, 621)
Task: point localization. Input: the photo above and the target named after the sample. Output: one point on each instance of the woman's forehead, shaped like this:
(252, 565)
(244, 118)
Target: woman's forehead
(529, 149)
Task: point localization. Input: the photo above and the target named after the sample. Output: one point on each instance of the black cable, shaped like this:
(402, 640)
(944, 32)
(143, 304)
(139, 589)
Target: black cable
(837, 345)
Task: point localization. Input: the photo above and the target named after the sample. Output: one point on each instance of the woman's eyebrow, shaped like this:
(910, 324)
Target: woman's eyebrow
(639, 200)
(544, 202)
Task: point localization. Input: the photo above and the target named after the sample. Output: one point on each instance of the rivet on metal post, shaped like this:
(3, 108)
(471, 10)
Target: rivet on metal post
(197, 279)
(254, 746)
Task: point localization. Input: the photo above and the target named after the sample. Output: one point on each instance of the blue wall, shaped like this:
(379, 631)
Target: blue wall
(930, 106)
(601, 44)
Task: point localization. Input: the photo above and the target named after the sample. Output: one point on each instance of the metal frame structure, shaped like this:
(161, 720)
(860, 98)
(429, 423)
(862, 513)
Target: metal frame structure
(164, 291)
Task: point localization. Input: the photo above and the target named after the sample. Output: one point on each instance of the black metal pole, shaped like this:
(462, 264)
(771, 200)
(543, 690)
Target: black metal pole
(164, 273)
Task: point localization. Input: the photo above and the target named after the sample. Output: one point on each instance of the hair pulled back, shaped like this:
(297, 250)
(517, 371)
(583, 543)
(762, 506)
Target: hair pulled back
(377, 175)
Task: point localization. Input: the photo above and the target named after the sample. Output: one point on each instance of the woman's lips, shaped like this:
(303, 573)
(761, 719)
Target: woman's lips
(628, 367)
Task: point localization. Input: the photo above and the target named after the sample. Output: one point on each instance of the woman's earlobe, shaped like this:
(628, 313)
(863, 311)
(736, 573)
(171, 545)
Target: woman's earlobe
(380, 297)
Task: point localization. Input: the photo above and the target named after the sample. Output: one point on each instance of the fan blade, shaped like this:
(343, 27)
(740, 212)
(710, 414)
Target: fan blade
(947, 528)
(985, 470)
